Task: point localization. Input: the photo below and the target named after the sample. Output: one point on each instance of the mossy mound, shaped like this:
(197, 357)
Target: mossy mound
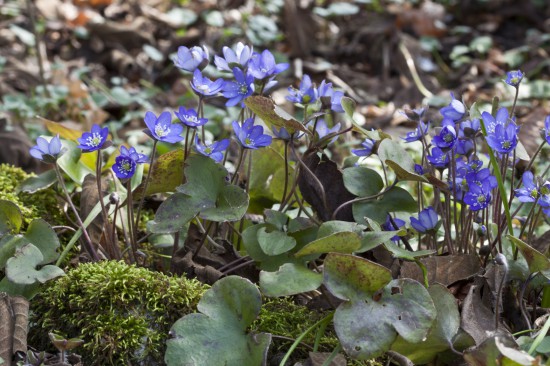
(123, 313)
(42, 204)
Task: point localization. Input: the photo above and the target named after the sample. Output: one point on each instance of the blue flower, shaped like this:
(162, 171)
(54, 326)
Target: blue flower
(204, 86)
(482, 177)
(214, 150)
(478, 197)
(233, 58)
(46, 151)
(464, 147)
(239, 89)
(124, 167)
(414, 115)
(438, 158)
(94, 140)
(133, 154)
(322, 129)
(263, 65)
(530, 191)
(284, 135)
(455, 110)
(368, 145)
(446, 138)
(547, 129)
(418, 169)
(513, 78)
(491, 122)
(190, 118)
(162, 128)
(426, 222)
(250, 136)
(306, 94)
(330, 98)
(468, 129)
(191, 59)
(389, 226)
(504, 139)
(417, 134)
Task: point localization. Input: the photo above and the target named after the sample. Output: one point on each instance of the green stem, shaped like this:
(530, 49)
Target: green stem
(110, 245)
(326, 319)
(130, 216)
(144, 192)
(239, 163)
(501, 188)
(88, 245)
(286, 176)
(540, 337)
(333, 355)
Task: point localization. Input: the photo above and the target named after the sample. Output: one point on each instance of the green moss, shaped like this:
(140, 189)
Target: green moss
(42, 204)
(123, 313)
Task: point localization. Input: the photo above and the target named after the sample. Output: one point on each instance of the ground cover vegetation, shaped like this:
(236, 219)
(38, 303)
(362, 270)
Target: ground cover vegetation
(216, 188)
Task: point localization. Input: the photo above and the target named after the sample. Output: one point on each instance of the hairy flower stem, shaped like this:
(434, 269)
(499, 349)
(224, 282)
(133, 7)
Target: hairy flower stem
(144, 192)
(283, 198)
(496, 170)
(113, 253)
(201, 115)
(240, 160)
(515, 101)
(88, 245)
(130, 216)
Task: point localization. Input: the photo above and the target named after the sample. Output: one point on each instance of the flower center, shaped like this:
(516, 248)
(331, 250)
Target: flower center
(481, 198)
(534, 193)
(94, 140)
(126, 166)
(448, 137)
(191, 118)
(243, 88)
(506, 144)
(162, 130)
(208, 150)
(248, 141)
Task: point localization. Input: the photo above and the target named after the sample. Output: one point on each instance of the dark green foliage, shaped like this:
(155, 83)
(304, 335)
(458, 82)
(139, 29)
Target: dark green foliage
(123, 313)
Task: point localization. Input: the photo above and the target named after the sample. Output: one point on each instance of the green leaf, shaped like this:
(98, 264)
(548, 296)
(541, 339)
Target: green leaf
(167, 174)
(10, 217)
(290, 279)
(341, 242)
(71, 163)
(173, 214)
(395, 200)
(536, 261)
(401, 253)
(349, 277)
(41, 235)
(368, 324)
(362, 181)
(276, 218)
(217, 335)
(399, 160)
(21, 268)
(330, 227)
(441, 334)
(8, 245)
(372, 239)
(38, 183)
(275, 242)
(273, 115)
(231, 205)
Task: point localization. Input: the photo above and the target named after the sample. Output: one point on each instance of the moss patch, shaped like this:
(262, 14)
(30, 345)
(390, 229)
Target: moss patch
(41, 204)
(123, 313)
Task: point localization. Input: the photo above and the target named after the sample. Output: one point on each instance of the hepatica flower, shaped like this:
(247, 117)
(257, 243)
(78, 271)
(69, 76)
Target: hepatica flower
(238, 57)
(133, 154)
(189, 59)
(438, 158)
(237, 90)
(46, 151)
(547, 129)
(305, 94)
(283, 134)
(322, 129)
(417, 134)
(492, 122)
(250, 136)
(368, 145)
(162, 128)
(530, 190)
(455, 110)
(504, 139)
(389, 226)
(94, 140)
(330, 98)
(446, 138)
(426, 222)
(190, 118)
(204, 86)
(213, 150)
(263, 65)
(513, 78)
(478, 197)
